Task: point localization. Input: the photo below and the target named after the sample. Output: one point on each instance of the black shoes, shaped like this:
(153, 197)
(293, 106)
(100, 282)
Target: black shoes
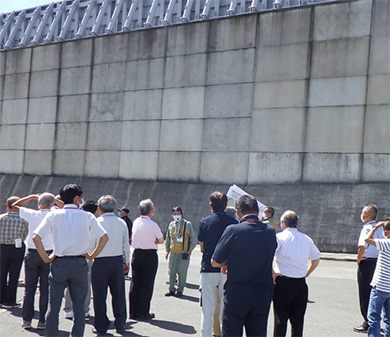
(99, 333)
(147, 317)
(179, 294)
(361, 328)
(171, 293)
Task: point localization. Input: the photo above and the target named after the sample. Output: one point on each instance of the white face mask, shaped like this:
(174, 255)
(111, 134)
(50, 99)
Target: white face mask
(82, 203)
(361, 218)
(176, 217)
(119, 214)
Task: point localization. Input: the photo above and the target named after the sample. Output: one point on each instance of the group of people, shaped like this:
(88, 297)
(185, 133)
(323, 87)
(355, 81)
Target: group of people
(245, 265)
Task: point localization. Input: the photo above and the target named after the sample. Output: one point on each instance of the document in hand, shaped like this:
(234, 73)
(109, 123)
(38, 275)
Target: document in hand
(235, 192)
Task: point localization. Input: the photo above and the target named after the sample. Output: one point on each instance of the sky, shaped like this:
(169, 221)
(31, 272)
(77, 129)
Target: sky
(7, 6)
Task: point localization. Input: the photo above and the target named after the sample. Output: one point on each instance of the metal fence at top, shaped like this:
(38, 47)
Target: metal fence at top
(68, 20)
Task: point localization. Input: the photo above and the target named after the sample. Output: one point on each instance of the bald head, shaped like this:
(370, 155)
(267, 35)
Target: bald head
(46, 200)
(289, 219)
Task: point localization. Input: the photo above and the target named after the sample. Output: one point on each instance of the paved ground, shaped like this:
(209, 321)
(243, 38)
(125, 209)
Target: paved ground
(332, 311)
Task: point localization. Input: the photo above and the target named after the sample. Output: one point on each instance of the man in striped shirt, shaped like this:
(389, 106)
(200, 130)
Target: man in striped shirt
(13, 231)
(380, 292)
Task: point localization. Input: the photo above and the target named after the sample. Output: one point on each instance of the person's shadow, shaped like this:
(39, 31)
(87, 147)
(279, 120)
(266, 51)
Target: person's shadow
(174, 326)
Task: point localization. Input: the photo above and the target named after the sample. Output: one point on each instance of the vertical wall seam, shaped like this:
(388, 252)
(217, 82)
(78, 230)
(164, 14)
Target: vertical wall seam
(28, 108)
(54, 151)
(256, 58)
(306, 108)
(361, 159)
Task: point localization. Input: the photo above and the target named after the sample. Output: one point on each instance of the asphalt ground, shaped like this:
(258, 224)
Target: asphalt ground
(332, 309)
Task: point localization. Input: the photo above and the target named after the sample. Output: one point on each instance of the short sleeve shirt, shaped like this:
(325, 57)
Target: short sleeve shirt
(371, 251)
(210, 231)
(249, 249)
(34, 219)
(145, 233)
(71, 230)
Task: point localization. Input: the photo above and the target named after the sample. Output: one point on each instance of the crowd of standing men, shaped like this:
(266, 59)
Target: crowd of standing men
(245, 265)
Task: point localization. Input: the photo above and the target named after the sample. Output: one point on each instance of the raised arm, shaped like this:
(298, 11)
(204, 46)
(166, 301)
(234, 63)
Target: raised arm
(21, 202)
(369, 239)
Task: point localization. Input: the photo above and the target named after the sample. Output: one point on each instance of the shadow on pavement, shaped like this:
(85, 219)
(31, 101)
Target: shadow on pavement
(174, 326)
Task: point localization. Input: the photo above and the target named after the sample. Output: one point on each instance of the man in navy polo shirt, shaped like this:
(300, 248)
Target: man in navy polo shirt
(247, 250)
(211, 279)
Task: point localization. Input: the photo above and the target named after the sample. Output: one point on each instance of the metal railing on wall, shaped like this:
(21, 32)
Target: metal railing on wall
(77, 19)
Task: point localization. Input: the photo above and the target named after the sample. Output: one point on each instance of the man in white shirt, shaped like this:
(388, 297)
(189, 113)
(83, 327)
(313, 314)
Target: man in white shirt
(34, 268)
(108, 268)
(366, 261)
(290, 272)
(70, 229)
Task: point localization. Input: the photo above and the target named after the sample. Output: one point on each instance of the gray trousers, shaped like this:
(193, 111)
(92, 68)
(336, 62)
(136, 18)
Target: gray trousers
(180, 267)
(68, 306)
(71, 272)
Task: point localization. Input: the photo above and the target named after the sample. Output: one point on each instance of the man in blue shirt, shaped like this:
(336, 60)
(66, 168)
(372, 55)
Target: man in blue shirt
(248, 251)
(211, 279)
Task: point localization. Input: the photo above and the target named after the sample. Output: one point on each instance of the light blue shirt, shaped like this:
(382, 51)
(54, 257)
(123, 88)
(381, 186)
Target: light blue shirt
(371, 251)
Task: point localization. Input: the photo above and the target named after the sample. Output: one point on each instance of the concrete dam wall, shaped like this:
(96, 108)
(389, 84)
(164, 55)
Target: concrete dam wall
(291, 104)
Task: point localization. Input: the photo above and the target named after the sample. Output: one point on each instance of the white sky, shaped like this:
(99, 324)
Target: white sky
(7, 6)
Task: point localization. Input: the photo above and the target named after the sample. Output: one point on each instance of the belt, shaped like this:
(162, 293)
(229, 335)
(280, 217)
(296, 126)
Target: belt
(292, 278)
(70, 257)
(370, 259)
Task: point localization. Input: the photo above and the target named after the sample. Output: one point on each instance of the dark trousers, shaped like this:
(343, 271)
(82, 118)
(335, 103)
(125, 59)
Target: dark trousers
(69, 272)
(253, 317)
(144, 265)
(11, 259)
(108, 272)
(289, 302)
(34, 269)
(364, 275)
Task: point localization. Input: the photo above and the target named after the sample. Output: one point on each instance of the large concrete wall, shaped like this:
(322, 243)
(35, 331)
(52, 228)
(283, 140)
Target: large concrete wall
(288, 96)
(329, 213)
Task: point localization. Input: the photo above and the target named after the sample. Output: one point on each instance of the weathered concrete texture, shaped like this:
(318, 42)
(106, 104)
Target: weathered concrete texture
(181, 135)
(284, 27)
(38, 162)
(147, 44)
(145, 74)
(102, 163)
(183, 103)
(341, 57)
(12, 137)
(377, 133)
(381, 22)
(42, 110)
(141, 136)
(19, 62)
(106, 107)
(104, 136)
(376, 168)
(188, 70)
(344, 20)
(337, 91)
(179, 166)
(271, 130)
(188, 39)
(75, 81)
(270, 168)
(111, 49)
(71, 136)
(378, 89)
(46, 57)
(14, 111)
(69, 162)
(282, 94)
(73, 108)
(76, 53)
(108, 77)
(336, 167)
(40, 136)
(335, 129)
(50, 80)
(380, 54)
(283, 62)
(16, 86)
(138, 165)
(142, 105)
(14, 166)
(221, 167)
(236, 33)
(221, 100)
(338, 213)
